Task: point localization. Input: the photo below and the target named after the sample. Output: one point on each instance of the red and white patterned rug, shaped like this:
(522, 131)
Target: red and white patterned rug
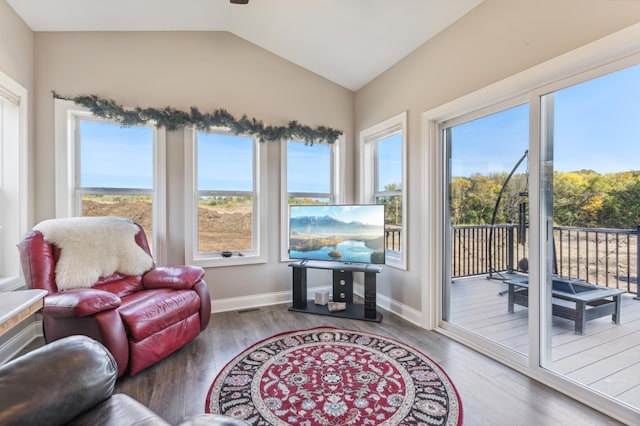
(329, 376)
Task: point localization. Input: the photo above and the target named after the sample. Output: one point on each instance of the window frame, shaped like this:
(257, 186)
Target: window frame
(369, 139)
(334, 195)
(15, 189)
(68, 195)
(192, 195)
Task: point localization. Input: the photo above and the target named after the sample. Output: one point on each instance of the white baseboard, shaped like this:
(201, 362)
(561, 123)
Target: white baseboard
(249, 302)
(10, 348)
(258, 300)
(406, 312)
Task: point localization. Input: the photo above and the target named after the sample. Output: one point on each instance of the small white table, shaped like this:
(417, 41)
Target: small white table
(17, 306)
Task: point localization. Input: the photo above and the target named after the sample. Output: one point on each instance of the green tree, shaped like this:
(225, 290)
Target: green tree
(459, 189)
(621, 208)
(393, 205)
(581, 198)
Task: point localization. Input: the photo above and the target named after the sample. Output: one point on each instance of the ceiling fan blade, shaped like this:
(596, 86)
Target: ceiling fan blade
(239, 1)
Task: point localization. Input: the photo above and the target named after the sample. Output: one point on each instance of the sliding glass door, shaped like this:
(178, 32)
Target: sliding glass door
(487, 157)
(591, 328)
(542, 231)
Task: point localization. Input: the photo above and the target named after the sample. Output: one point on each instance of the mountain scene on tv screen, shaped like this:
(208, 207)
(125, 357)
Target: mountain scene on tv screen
(329, 238)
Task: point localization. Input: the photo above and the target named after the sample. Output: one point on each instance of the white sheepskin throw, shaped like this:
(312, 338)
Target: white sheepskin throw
(94, 247)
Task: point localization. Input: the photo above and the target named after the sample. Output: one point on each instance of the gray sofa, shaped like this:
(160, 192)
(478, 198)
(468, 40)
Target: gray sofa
(71, 381)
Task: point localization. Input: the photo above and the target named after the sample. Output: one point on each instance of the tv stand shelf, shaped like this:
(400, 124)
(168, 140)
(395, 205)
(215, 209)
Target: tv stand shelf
(342, 289)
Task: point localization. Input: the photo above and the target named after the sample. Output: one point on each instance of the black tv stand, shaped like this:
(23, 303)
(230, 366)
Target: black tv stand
(342, 289)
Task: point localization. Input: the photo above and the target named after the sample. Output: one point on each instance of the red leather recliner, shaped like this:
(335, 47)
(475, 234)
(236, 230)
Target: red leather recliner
(140, 319)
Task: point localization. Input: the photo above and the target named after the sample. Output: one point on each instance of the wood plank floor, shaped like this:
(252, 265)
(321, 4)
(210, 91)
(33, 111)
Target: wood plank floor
(491, 393)
(606, 357)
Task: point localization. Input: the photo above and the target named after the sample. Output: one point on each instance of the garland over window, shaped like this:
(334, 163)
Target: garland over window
(173, 119)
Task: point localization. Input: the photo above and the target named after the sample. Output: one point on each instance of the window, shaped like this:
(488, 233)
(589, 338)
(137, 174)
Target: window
(223, 199)
(111, 171)
(309, 177)
(383, 147)
(14, 209)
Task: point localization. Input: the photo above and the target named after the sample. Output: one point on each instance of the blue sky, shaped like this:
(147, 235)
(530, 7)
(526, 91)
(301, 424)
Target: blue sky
(492, 144)
(225, 162)
(597, 127)
(116, 157)
(308, 167)
(390, 161)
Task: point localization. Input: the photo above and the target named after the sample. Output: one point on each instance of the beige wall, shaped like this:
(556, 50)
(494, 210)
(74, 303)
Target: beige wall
(213, 70)
(16, 47)
(209, 70)
(496, 40)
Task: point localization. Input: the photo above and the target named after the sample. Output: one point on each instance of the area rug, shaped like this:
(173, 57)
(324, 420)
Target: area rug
(330, 377)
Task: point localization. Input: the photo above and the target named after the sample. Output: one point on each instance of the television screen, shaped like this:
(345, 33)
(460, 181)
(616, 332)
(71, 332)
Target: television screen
(339, 233)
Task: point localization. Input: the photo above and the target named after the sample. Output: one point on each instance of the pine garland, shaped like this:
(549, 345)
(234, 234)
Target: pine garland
(174, 119)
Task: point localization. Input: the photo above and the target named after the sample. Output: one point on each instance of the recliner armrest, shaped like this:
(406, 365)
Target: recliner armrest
(176, 277)
(55, 383)
(79, 303)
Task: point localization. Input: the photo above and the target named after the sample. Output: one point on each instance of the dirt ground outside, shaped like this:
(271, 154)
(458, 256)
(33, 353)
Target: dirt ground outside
(221, 228)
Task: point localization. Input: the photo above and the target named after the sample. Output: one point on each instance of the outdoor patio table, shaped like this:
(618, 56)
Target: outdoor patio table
(586, 302)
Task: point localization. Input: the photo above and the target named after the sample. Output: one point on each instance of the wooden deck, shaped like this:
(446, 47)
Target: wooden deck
(606, 358)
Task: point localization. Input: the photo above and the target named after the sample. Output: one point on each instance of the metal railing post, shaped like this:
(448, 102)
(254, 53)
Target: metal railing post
(510, 241)
(637, 263)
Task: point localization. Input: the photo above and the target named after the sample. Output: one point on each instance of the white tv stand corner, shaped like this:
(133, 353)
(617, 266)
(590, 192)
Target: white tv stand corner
(342, 289)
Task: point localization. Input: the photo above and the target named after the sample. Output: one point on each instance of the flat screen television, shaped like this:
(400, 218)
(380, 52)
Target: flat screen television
(338, 233)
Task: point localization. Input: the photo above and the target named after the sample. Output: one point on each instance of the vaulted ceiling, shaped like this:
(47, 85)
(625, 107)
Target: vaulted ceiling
(349, 42)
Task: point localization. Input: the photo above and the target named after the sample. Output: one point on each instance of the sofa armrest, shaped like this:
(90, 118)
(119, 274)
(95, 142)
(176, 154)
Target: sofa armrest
(55, 383)
(119, 410)
(78, 303)
(176, 277)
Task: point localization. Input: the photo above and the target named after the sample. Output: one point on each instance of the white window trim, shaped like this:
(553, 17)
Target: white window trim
(368, 172)
(15, 181)
(192, 256)
(615, 51)
(335, 196)
(66, 114)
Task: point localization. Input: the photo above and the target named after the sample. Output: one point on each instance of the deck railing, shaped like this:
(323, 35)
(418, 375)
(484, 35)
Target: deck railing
(471, 245)
(392, 238)
(601, 256)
